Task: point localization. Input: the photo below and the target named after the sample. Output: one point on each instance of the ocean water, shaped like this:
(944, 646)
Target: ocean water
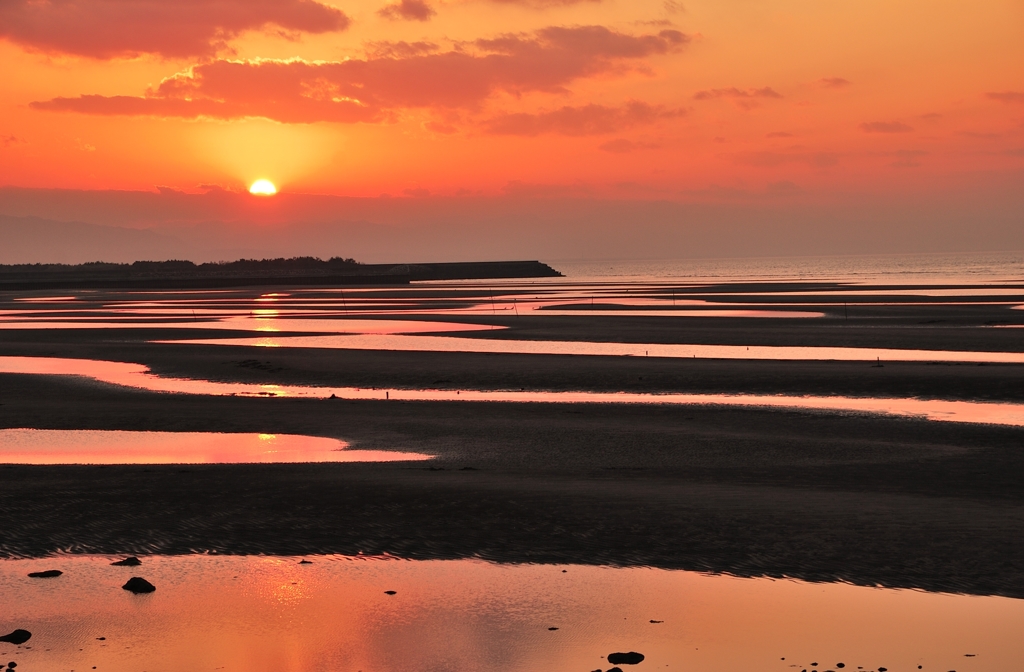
(984, 267)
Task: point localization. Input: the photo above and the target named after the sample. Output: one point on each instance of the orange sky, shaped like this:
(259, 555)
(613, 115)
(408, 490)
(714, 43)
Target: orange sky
(870, 103)
(660, 99)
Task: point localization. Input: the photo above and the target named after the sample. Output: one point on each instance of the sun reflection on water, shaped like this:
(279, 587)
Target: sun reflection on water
(276, 613)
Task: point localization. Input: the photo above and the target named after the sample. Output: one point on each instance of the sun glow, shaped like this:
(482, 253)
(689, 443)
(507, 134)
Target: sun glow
(263, 188)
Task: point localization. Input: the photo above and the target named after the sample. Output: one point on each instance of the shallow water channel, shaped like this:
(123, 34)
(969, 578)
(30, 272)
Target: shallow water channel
(273, 614)
(87, 446)
(138, 376)
(429, 343)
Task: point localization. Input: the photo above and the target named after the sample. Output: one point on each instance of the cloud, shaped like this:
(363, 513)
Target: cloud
(782, 187)
(623, 146)
(733, 92)
(543, 4)
(981, 135)
(106, 29)
(885, 127)
(773, 159)
(907, 158)
(519, 189)
(745, 98)
(833, 82)
(441, 127)
(779, 134)
(371, 89)
(1007, 96)
(307, 109)
(400, 49)
(409, 10)
(577, 121)
(11, 141)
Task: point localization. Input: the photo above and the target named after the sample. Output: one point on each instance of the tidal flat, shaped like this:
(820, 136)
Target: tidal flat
(816, 495)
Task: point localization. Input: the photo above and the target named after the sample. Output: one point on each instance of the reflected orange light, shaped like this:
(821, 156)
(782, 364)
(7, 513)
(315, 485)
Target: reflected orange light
(261, 613)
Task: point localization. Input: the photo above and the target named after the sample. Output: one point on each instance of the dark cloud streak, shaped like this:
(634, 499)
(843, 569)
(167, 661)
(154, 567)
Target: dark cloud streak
(408, 10)
(1006, 96)
(733, 92)
(885, 127)
(580, 121)
(106, 29)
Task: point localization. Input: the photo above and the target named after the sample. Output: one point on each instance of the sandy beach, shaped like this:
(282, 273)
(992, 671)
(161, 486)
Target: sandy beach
(812, 494)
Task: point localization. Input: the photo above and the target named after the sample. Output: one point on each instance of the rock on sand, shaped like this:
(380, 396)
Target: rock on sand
(16, 637)
(139, 585)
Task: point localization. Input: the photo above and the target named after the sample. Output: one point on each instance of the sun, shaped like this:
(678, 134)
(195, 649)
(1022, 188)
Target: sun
(263, 188)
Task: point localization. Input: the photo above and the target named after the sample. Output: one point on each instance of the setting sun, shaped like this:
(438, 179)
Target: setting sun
(263, 188)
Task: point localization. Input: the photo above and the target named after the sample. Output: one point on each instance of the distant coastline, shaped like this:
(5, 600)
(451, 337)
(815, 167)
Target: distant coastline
(253, 272)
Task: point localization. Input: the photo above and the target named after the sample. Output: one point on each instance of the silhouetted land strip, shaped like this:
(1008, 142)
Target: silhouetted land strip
(300, 271)
(813, 495)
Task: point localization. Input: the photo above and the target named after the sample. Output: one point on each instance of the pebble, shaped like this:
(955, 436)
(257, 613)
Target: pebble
(631, 658)
(48, 574)
(127, 562)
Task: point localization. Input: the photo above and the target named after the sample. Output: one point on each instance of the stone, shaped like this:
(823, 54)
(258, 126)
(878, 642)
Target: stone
(17, 637)
(48, 574)
(139, 585)
(127, 562)
(390, 592)
(631, 658)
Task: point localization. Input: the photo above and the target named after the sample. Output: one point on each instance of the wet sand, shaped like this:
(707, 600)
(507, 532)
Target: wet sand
(816, 496)
(809, 494)
(488, 371)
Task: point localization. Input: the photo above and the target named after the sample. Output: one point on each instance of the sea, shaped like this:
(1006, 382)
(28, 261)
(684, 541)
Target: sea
(897, 269)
